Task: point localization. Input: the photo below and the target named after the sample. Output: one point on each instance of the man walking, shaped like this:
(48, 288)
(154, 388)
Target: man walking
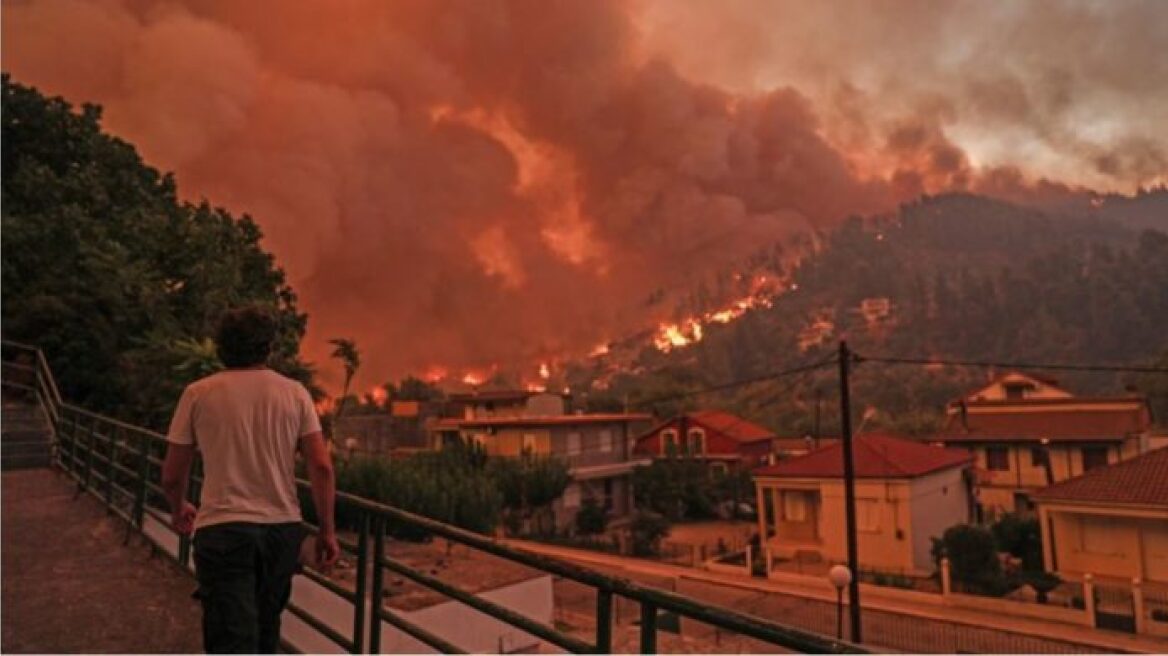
(247, 422)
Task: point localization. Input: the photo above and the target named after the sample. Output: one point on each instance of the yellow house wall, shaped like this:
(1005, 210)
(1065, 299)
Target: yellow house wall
(1066, 461)
(879, 548)
(1124, 544)
(509, 442)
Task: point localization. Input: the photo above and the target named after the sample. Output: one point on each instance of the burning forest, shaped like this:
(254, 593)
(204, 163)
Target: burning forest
(465, 188)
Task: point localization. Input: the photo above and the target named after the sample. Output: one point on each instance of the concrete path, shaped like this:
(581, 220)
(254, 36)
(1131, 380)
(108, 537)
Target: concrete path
(70, 586)
(891, 624)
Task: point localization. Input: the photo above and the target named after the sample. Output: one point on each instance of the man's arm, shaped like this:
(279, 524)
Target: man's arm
(323, 480)
(176, 470)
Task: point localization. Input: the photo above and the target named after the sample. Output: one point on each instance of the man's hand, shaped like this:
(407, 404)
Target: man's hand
(183, 521)
(327, 550)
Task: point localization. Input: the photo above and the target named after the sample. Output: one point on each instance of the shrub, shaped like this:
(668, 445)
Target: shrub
(973, 559)
(591, 519)
(646, 531)
(1042, 582)
(1021, 537)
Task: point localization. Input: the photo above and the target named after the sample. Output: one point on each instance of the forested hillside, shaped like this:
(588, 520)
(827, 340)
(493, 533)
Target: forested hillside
(110, 273)
(949, 277)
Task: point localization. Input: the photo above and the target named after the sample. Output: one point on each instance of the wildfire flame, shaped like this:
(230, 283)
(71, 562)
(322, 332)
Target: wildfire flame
(473, 378)
(379, 395)
(689, 330)
(434, 374)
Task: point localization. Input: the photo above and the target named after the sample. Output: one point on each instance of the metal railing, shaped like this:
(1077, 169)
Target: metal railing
(120, 464)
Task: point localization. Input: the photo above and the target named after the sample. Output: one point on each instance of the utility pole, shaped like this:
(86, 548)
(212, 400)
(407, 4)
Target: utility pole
(845, 361)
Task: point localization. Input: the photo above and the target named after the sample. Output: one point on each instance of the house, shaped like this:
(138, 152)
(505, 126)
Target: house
(1110, 522)
(907, 492)
(1027, 432)
(597, 447)
(480, 404)
(723, 440)
(401, 430)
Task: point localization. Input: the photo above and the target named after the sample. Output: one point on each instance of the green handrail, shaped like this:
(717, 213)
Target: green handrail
(77, 459)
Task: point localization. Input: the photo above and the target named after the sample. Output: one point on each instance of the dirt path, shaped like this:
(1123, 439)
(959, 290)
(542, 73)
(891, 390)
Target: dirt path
(69, 586)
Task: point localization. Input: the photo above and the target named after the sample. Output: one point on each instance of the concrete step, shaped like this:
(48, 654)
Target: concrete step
(25, 435)
(21, 449)
(30, 461)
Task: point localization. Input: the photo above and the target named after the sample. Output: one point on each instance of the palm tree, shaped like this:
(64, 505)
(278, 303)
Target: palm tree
(345, 351)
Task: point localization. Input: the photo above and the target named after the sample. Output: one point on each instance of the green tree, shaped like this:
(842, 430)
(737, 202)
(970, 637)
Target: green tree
(104, 268)
(346, 351)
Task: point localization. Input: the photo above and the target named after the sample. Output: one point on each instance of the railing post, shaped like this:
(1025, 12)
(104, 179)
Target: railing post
(946, 582)
(648, 628)
(138, 514)
(603, 621)
(1138, 605)
(375, 595)
(89, 444)
(111, 453)
(1089, 598)
(362, 590)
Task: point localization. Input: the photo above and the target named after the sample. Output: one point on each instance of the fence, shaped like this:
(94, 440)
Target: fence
(120, 464)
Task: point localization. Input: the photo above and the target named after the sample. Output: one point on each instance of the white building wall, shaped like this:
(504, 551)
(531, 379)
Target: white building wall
(938, 501)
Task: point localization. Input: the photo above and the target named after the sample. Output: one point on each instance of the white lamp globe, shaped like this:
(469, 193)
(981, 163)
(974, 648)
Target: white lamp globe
(839, 576)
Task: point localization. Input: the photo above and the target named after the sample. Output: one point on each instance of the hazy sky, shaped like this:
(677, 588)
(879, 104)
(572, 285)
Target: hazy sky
(473, 182)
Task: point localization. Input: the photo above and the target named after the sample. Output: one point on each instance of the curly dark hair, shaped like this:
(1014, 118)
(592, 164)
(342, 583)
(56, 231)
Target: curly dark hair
(245, 336)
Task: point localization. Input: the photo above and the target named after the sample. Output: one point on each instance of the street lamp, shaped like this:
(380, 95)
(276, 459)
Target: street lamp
(840, 576)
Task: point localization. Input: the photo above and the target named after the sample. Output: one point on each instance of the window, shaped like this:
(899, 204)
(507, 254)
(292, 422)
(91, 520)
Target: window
(529, 443)
(997, 458)
(794, 507)
(606, 440)
(720, 468)
(1017, 390)
(868, 515)
(572, 496)
(1094, 456)
(573, 443)
(668, 441)
(696, 444)
(1037, 456)
(608, 494)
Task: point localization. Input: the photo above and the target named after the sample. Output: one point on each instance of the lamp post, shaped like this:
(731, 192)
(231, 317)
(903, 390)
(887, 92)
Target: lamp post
(840, 576)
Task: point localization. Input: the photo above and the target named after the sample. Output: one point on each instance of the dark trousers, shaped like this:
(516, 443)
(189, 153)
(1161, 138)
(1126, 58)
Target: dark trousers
(245, 579)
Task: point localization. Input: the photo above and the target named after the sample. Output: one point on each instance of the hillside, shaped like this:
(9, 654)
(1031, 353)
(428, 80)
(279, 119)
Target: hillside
(950, 277)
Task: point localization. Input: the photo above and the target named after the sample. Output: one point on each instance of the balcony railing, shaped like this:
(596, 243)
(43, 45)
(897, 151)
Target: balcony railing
(120, 464)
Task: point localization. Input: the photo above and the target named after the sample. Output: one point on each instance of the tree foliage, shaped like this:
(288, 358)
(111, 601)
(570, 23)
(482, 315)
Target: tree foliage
(966, 277)
(117, 279)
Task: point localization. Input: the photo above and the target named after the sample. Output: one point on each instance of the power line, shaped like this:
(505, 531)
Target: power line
(1014, 365)
(737, 383)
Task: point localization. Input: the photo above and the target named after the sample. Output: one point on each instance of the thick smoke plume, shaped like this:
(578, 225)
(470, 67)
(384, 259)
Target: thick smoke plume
(465, 183)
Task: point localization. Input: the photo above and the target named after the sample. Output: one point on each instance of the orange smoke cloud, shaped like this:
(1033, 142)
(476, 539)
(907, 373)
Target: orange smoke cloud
(472, 183)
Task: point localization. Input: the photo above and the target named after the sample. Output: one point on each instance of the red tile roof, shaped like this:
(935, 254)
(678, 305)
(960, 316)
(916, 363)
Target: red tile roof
(875, 455)
(1074, 419)
(1141, 481)
(731, 426)
(555, 420)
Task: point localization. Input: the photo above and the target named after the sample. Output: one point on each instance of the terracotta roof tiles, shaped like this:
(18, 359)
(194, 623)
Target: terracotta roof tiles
(875, 455)
(1142, 481)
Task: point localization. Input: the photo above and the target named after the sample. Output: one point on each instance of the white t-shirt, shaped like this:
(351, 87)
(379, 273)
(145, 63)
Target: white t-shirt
(246, 423)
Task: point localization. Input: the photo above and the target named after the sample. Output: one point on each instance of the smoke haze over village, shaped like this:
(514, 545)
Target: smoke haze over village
(466, 183)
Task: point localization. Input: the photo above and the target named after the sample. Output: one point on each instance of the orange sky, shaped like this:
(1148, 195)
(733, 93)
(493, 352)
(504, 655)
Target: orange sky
(469, 183)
